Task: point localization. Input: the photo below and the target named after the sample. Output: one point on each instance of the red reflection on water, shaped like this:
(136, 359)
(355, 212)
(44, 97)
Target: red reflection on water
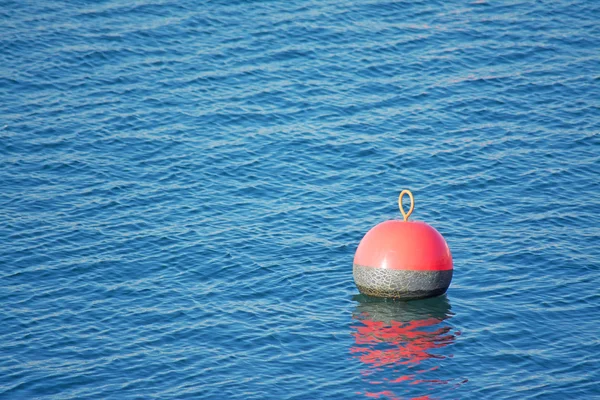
(400, 345)
(406, 342)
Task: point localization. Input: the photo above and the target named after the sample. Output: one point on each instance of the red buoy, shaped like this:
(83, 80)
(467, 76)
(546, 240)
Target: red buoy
(403, 259)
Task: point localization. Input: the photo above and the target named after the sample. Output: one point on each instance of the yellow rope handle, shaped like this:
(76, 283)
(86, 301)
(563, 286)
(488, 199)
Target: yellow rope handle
(412, 204)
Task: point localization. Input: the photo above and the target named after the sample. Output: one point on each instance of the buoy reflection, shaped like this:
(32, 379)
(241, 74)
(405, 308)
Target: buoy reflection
(400, 343)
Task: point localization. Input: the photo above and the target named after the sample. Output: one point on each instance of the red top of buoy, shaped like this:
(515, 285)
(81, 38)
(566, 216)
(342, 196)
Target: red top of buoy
(404, 245)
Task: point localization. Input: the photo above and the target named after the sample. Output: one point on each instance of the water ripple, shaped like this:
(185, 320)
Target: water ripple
(184, 186)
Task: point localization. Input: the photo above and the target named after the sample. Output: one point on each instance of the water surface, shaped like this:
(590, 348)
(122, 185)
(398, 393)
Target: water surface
(184, 184)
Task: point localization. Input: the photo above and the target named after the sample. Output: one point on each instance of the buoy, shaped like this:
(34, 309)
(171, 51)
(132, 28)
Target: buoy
(403, 259)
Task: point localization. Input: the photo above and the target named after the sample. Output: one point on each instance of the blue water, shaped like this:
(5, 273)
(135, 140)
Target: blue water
(184, 185)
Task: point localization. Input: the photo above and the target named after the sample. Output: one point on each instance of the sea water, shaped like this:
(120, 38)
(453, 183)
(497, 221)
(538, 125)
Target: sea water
(184, 185)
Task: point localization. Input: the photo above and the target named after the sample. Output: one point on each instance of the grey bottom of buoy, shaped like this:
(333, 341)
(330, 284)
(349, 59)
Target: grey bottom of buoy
(401, 284)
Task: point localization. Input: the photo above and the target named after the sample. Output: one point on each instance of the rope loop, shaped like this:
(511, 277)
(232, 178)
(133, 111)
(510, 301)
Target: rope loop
(412, 204)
